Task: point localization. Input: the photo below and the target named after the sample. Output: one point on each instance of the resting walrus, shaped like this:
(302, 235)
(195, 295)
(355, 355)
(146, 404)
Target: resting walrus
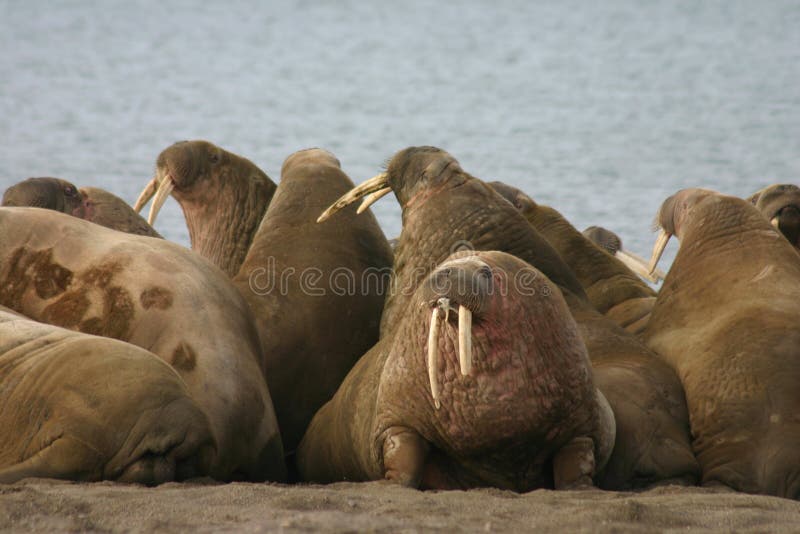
(726, 319)
(223, 197)
(315, 290)
(780, 204)
(89, 408)
(484, 382)
(157, 295)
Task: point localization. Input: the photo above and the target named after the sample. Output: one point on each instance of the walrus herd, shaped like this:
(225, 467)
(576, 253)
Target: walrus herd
(493, 344)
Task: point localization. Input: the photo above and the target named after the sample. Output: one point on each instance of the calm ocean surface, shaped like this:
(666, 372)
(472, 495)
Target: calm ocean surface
(601, 109)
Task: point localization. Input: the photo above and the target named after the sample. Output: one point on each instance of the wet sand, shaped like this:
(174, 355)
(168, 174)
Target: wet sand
(45, 505)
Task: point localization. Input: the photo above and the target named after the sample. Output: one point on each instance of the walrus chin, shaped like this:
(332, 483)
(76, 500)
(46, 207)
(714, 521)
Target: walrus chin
(374, 188)
(658, 250)
(441, 310)
(159, 188)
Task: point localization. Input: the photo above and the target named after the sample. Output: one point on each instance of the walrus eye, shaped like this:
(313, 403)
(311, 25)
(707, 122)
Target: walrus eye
(214, 158)
(70, 191)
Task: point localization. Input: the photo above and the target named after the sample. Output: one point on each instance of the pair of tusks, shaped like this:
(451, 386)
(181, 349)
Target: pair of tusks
(373, 189)
(160, 189)
(640, 266)
(464, 343)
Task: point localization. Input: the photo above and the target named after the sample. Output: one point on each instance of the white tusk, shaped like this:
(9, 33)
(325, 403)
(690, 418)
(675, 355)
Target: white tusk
(639, 266)
(433, 357)
(372, 198)
(465, 339)
(775, 222)
(658, 250)
(372, 185)
(163, 192)
(146, 194)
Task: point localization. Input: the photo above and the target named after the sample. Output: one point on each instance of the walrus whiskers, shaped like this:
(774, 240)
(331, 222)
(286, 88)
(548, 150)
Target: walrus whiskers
(658, 250)
(166, 187)
(372, 199)
(433, 356)
(372, 185)
(464, 340)
(146, 194)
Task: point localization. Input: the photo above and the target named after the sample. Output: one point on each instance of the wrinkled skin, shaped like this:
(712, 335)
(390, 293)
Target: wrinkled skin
(726, 321)
(88, 408)
(107, 209)
(780, 204)
(653, 443)
(446, 210)
(223, 196)
(159, 296)
(526, 416)
(90, 203)
(313, 330)
(48, 193)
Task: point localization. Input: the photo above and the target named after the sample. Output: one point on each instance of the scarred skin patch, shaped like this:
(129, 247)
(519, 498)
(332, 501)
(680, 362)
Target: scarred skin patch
(68, 310)
(156, 297)
(101, 275)
(37, 267)
(184, 357)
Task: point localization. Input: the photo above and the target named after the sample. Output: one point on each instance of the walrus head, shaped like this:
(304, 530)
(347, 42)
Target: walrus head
(410, 173)
(49, 193)
(780, 204)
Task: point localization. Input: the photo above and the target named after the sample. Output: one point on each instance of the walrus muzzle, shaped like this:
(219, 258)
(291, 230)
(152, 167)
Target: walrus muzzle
(374, 188)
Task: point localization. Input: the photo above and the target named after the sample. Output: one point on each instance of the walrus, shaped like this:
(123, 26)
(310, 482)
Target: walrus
(780, 204)
(223, 197)
(90, 203)
(653, 445)
(611, 286)
(726, 321)
(444, 208)
(157, 295)
(81, 407)
(316, 291)
(612, 243)
(484, 382)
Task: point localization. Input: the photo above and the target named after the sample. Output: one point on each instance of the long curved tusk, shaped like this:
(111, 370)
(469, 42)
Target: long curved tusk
(639, 266)
(146, 194)
(372, 198)
(465, 339)
(370, 186)
(433, 357)
(163, 192)
(658, 250)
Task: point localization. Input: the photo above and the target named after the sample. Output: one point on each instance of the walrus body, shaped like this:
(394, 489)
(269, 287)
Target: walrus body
(87, 408)
(223, 197)
(526, 415)
(157, 295)
(726, 321)
(316, 290)
(445, 209)
(780, 204)
(653, 443)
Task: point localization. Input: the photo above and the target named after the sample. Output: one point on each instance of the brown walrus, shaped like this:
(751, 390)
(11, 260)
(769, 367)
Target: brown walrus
(223, 197)
(653, 443)
(157, 295)
(484, 382)
(444, 208)
(726, 321)
(90, 203)
(780, 204)
(89, 408)
(315, 290)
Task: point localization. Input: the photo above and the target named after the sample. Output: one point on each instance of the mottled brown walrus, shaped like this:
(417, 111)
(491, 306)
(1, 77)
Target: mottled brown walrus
(223, 197)
(484, 382)
(726, 319)
(88, 408)
(159, 296)
(316, 291)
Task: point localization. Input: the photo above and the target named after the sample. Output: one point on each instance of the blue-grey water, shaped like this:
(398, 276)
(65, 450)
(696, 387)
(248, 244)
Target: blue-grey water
(601, 109)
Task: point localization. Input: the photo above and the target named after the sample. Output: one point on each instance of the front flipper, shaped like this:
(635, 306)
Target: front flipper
(404, 455)
(574, 465)
(65, 458)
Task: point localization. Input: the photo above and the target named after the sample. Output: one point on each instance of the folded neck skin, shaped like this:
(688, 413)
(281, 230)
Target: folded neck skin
(223, 197)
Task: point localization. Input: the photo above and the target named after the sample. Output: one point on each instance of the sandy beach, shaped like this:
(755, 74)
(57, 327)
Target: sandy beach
(47, 506)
